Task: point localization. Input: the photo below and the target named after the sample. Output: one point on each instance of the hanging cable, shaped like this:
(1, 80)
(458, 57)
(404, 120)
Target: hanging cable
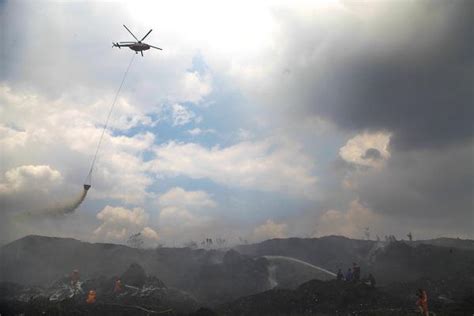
(72, 205)
(88, 180)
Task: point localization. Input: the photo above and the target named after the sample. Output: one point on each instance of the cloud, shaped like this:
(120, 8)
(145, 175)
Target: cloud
(183, 213)
(372, 154)
(350, 223)
(33, 126)
(30, 193)
(121, 216)
(264, 165)
(47, 143)
(30, 189)
(269, 230)
(150, 234)
(427, 191)
(197, 131)
(244, 134)
(422, 183)
(179, 197)
(175, 217)
(181, 115)
(96, 69)
(29, 118)
(181, 208)
(366, 149)
(195, 87)
(365, 70)
(30, 177)
(392, 68)
(10, 138)
(403, 67)
(118, 223)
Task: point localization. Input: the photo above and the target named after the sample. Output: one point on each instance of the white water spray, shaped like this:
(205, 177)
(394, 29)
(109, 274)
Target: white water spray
(272, 276)
(300, 262)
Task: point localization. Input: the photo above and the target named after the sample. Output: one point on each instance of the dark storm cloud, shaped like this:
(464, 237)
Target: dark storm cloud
(410, 71)
(424, 184)
(400, 67)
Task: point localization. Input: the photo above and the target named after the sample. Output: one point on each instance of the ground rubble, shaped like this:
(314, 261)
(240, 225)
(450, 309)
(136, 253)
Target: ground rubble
(140, 295)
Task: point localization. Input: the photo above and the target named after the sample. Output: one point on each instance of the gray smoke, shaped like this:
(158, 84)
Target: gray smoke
(60, 209)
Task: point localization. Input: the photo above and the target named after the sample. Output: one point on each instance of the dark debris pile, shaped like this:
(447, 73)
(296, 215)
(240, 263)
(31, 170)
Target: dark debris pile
(139, 295)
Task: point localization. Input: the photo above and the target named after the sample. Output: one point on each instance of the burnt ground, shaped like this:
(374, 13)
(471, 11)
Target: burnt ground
(181, 281)
(342, 298)
(311, 298)
(140, 295)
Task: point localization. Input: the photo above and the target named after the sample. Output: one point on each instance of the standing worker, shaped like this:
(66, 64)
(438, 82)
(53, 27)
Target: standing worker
(118, 287)
(349, 275)
(356, 271)
(422, 302)
(74, 277)
(371, 280)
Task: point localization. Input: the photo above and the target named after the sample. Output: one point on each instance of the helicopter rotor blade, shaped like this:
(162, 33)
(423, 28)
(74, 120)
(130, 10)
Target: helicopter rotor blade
(155, 47)
(131, 33)
(146, 34)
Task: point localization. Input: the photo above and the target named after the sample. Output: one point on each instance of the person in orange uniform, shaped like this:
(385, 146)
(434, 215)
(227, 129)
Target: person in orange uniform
(91, 297)
(422, 302)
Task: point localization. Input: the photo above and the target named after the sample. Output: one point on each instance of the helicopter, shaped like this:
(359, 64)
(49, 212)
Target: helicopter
(137, 46)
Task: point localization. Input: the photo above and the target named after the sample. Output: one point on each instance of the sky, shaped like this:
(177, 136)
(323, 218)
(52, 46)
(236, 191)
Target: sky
(257, 120)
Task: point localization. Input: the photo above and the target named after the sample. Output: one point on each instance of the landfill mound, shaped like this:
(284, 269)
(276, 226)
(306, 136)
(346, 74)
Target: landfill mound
(335, 298)
(389, 262)
(453, 295)
(237, 275)
(316, 298)
(213, 276)
(234, 277)
(402, 261)
(137, 294)
(180, 267)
